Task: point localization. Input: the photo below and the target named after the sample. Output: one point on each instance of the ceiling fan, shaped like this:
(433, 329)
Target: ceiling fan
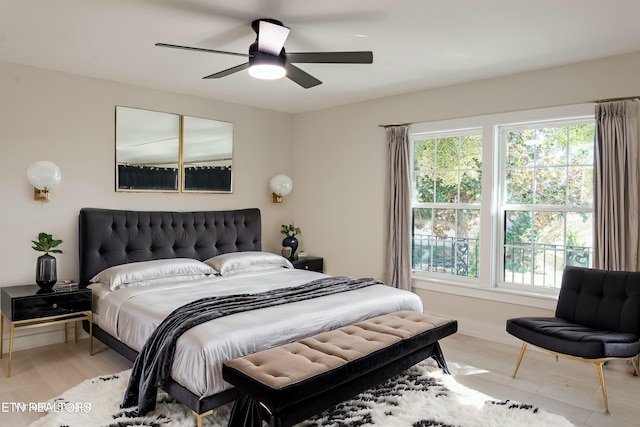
(269, 60)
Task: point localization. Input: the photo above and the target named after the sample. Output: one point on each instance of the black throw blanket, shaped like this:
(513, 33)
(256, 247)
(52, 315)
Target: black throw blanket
(152, 367)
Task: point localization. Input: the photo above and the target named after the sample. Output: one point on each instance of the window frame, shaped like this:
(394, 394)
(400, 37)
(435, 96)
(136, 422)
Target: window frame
(486, 286)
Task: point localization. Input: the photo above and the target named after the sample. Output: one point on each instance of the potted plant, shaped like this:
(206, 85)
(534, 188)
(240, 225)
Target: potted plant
(46, 269)
(290, 241)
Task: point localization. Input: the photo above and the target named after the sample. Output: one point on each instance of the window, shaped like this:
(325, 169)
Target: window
(447, 196)
(504, 200)
(546, 200)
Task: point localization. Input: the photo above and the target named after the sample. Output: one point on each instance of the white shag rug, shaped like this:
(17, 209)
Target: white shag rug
(423, 396)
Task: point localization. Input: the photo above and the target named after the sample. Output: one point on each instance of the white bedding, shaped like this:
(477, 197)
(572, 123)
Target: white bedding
(132, 314)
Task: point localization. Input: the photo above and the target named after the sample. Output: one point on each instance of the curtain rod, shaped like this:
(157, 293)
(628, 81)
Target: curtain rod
(392, 125)
(598, 101)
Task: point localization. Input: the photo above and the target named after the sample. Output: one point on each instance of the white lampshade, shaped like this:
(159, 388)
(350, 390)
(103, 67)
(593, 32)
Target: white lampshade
(281, 185)
(44, 175)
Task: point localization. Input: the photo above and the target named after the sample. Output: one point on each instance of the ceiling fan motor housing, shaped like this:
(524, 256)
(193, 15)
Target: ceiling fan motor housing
(256, 57)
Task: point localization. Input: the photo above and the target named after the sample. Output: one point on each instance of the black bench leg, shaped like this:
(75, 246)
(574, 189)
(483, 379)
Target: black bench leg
(439, 358)
(278, 422)
(246, 412)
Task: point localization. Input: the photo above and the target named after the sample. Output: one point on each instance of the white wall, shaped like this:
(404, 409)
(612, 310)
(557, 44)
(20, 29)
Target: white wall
(339, 161)
(69, 119)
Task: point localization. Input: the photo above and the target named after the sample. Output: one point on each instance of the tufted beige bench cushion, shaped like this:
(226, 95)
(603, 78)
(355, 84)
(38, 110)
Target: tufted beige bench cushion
(283, 376)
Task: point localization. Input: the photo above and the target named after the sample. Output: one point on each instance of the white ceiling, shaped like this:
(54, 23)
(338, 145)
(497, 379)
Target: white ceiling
(417, 44)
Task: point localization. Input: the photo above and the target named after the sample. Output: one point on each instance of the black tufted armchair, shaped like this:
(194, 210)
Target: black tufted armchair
(597, 319)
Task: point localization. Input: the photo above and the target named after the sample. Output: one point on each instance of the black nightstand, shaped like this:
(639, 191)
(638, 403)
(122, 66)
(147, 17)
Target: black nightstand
(28, 306)
(311, 263)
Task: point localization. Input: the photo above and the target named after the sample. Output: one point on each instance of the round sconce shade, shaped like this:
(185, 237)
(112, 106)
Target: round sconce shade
(44, 175)
(281, 185)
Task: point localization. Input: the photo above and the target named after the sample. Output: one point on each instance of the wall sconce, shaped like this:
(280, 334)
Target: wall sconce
(44, 176)
(280, 185)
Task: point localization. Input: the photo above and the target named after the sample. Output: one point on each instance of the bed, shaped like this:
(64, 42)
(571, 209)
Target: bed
(136, 249)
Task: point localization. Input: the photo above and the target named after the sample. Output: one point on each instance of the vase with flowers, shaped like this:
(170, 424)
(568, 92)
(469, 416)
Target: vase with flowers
(46, 269)
(290, 243)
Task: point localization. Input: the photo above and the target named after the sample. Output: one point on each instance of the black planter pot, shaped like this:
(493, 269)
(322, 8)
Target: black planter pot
(291, 242)
(46, 271)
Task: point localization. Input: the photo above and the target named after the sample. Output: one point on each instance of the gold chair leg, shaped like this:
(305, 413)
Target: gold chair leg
(199, 417)
(635, 367)
(524, 347)
(604, 387)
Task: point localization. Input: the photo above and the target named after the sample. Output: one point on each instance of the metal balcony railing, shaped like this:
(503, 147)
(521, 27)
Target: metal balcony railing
(536, 264)
(541, 264)
(449, 255)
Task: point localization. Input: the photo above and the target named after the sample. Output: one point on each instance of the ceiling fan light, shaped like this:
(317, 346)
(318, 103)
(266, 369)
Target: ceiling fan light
(267, 71)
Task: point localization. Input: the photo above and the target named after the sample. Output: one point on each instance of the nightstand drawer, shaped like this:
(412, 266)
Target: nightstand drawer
(46, 304)
(309, 263)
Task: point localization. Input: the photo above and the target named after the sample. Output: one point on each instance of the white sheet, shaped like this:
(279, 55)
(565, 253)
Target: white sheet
(132, 314)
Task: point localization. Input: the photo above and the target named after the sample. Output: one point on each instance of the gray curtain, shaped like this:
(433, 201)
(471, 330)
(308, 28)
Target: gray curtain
(616, 186)
(398, 229)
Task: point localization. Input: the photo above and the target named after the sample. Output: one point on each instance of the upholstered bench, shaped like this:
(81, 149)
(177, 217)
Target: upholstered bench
(287, 384)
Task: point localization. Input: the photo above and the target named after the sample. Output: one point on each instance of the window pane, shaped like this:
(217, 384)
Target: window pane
(471, 152)
(424, 154)
(519, 186)
(551, 186)
(518, 247)
(424, 187)
(579, 239)
(551, 150)
(581, 139)
(548, 228)
(447, 187)
(520, 149)
(471, 186)
(468, 223)
(518, 227)
(580, 186)
(447, 153)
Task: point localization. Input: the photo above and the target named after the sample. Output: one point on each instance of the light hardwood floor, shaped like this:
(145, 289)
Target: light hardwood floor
(568, 388)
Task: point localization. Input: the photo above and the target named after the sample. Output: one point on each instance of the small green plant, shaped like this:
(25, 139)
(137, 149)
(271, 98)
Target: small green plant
(290, 230)
(46, 243)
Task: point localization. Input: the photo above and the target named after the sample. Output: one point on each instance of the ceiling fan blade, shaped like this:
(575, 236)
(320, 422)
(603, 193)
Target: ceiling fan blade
(228, 71)
(199, 49)
(303, 78)
(358, 57)
(271, 36)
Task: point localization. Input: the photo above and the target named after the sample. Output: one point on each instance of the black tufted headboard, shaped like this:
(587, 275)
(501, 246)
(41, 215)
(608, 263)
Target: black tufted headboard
(113, 237)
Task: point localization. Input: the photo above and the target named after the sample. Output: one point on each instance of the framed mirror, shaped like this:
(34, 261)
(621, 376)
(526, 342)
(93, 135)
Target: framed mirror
(157, 151)
(147, 150)
(207, 151)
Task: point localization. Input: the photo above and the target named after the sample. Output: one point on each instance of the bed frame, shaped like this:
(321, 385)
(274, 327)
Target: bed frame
(113, 237)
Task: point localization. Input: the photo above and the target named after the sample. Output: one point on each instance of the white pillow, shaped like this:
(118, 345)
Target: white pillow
(158, 270)
(244, 262)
